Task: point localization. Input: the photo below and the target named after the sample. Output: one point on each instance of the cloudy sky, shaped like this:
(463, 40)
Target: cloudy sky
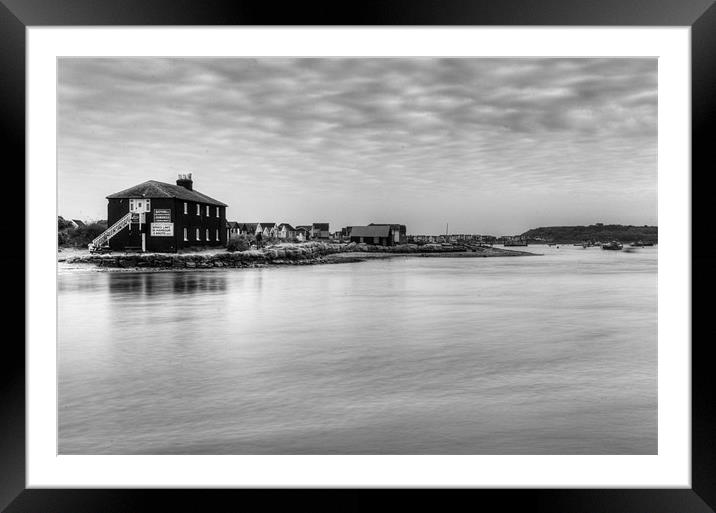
(487, 145)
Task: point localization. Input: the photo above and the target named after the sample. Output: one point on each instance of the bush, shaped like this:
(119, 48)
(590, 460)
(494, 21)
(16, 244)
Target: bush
(86, 234)
(78, 237)
(63, 224)
(241, 243)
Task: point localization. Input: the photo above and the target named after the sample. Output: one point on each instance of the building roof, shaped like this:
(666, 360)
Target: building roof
(303, 227)
(249, 226)
(388, 224)
(321, 226)
(153, 189)
(267, 225)
(370, 231)
(232, 224)
(288, 227)
(78, 222)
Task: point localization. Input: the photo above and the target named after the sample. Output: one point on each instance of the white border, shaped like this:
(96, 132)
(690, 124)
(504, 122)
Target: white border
(670, 468)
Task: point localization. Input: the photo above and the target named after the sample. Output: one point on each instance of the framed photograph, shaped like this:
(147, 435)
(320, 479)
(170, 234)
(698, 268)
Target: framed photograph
(411, 248)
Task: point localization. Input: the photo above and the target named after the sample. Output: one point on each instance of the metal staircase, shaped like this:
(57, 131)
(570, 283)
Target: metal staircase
(110, 232)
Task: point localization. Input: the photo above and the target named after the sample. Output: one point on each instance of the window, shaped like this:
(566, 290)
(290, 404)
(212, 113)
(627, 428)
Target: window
(198, 234)
(186, 208)
(217, 234)
(207, 211)
(186, 235)
(198, 210)
(207, 231)
(217, 211)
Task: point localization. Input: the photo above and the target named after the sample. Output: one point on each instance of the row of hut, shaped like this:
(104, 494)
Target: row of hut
(284, 231)
(374, 233)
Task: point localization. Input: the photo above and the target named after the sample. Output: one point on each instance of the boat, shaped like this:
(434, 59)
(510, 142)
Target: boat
(613, 245)
(641, 243)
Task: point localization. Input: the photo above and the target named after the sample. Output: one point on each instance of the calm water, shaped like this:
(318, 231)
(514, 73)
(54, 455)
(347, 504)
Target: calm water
(535, 355)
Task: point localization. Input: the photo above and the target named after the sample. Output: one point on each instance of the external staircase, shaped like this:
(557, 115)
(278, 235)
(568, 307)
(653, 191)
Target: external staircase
(103, 239)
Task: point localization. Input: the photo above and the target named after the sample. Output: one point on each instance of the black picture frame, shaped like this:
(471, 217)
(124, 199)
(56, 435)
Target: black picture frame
(700, 15)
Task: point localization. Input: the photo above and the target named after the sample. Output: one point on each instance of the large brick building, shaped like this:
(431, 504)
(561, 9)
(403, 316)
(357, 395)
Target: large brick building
(161, 217)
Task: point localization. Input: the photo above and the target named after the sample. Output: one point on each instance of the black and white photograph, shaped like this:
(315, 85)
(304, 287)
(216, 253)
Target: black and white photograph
(357, 256)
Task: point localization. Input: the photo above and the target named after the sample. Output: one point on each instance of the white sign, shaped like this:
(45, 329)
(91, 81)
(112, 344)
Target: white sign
(162, 229)
(162, 215)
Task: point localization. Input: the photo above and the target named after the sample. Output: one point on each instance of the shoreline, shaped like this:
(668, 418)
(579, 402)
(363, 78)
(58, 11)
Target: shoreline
(312, 253)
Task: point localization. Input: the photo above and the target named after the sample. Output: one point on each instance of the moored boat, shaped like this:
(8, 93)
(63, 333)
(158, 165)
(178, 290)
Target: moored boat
(613, 245)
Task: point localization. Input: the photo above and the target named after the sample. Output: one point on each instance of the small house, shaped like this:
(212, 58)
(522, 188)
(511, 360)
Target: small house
(320, 231)
(269, 230)
(232, 230)
(380, 235)
(248, 228)
(303, 233)
(286, 231)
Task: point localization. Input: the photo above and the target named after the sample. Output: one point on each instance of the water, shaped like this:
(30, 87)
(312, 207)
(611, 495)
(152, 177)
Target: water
(533, 355)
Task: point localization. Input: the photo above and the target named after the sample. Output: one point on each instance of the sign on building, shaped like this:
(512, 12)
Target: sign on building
(162, 215)
(162, 229)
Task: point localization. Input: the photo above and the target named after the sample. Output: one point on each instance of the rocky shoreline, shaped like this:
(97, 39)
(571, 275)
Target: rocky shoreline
(311, 253)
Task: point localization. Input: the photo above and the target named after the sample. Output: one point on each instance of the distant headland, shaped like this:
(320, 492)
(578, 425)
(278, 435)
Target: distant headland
(593, 232)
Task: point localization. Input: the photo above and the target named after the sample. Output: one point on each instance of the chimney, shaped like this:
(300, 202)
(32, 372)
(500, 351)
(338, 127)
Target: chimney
(185, 181)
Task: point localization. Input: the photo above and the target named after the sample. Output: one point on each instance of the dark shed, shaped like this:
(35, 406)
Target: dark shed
(380, 235)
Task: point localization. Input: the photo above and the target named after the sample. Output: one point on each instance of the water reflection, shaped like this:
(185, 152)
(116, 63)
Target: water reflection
(139, 285)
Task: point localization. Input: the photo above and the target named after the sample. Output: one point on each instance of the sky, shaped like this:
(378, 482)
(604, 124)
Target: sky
(484, 146)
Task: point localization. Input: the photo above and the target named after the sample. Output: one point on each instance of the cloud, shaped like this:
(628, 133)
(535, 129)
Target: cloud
(302, 129)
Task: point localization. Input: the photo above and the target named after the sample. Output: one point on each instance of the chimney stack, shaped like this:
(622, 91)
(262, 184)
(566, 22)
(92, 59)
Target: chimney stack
(185, 181)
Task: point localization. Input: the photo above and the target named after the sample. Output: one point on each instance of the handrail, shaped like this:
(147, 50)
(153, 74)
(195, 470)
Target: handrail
(111, 231)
